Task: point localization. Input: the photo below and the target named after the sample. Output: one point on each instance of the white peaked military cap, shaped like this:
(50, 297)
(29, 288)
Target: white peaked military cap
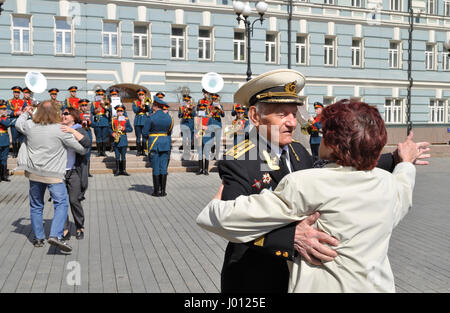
(278, 86)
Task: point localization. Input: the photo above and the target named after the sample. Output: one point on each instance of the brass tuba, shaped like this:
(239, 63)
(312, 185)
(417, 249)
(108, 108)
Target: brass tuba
(306, 128)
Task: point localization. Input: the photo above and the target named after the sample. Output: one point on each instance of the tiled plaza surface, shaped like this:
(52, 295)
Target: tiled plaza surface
(137, 243)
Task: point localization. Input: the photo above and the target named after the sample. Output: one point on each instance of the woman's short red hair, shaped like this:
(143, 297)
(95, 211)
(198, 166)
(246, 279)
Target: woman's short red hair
(355, 132)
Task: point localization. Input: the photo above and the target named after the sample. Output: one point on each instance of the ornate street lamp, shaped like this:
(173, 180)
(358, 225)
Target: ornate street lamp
(243, 12)
(1, 4)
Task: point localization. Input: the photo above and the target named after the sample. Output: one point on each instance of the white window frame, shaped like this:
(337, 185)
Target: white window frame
(110, 35)
(438, 114)
(446, 7)
(298, 49)
(71, 31)
(329, 2)
(398, 52)
(430, 57)
(431, 7)
(21, 30)
(396, 5)
(357, 3)
(203, 41)
(326, 52)
(241, 44)
(178, 38)
(141, 36)
(327, 100)
(394, 114)
(445, 61)
(272, 46)
(361, 51)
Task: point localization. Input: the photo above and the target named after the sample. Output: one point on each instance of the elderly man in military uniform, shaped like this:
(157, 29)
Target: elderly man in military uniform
(141, 110)
(260, 162)
(158, 129)
(15, 107)
(72, 101)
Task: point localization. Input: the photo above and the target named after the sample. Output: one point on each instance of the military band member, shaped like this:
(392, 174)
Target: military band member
(120, 126)
(160, 95)
(100, 111)
(186, 113)
(158, 129)
(236, 106)
(141, 109)
(86, 123)
(316, 131)
(215, 124)
(15, 107)
(54, 97)
(240, 125)
(27, 96)
(72, 101)
(4, 141)
(203, 134)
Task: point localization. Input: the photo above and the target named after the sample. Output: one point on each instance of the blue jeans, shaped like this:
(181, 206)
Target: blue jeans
(58, 192)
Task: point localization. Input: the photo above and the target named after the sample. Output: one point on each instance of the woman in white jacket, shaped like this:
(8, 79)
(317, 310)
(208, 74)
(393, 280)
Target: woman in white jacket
(359, 204)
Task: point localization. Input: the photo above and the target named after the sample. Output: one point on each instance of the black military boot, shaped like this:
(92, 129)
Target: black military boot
(4, 172)
(156, 186)
(99, 149)
(138, 149)
(123, 169)
(104, 149)
(163, 185)
(205, 171)
(200, 167)
(14, 150)
(117, 171)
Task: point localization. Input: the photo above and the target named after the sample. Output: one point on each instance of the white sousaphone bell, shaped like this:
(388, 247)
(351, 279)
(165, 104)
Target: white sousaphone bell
(212, 82)
(37, 83)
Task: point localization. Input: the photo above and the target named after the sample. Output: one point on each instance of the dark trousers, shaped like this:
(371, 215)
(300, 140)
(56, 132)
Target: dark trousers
(160, 162)
(4, 155)
(101, 133)
(73, 183)
(138, 132)
(16, 136)
(315, 151)
(120, 153)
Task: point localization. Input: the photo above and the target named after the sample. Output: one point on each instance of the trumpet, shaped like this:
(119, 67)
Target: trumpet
(232, 129)
(306, 128)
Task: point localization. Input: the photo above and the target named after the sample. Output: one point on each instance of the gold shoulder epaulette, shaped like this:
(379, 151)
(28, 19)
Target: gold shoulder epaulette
(240, 149)
(293, 140)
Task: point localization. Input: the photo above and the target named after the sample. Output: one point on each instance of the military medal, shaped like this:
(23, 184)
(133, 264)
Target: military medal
(266, 178)
(257, 184)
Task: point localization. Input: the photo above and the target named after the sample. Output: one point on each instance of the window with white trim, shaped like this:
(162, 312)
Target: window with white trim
(204, 44)
(178, 42)
(239, 46)
(447, 8)
(63, 35)
(327, 100)
(431, 7)
(140, 40)
(437, 111)
(430, 59)
(356, 53)
(301, 49)
(111, 38)
(21, 34)
(393, 110)
(394, 54)
(396, 5)
(329, 55)
(328, 1)
(446, 61)
(357, 3)
(271, 48)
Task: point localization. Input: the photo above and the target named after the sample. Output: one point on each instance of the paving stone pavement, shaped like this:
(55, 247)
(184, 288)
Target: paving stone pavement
(137, 243)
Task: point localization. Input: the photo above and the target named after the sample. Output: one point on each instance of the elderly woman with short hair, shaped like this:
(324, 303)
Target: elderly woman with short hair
(43, 157)
(359, 204)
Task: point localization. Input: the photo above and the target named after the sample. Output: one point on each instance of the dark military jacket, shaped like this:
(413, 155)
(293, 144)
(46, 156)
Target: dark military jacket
(260, 266)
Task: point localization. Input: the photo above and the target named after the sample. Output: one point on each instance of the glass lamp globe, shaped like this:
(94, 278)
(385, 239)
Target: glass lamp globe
(247, 10)
(261, 7)
(238, 7)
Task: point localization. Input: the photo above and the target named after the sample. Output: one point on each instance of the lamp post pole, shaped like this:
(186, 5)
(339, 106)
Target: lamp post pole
(245, 10)
(289, 8)
(410, 79)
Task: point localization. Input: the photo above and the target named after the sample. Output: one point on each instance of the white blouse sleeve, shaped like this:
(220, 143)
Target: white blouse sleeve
(249, 217)
(404, 180)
